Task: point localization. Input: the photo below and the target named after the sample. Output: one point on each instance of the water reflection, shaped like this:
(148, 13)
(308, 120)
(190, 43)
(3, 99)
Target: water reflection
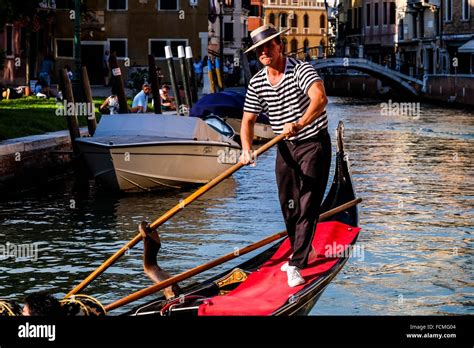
(415, 175)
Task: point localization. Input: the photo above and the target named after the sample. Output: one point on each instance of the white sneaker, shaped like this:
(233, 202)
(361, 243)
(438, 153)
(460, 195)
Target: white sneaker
(284, 267)
(294, 277)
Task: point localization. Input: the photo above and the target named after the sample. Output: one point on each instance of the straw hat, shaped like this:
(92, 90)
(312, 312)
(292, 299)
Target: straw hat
(264, 34)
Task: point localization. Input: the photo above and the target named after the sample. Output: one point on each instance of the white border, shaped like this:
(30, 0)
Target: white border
(159, 9)
(119, 39)
(117, 10)
(468, 12)
(56, 47)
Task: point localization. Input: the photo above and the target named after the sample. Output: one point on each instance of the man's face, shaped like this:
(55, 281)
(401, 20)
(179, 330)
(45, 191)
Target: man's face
(147, 90)
(268, 52)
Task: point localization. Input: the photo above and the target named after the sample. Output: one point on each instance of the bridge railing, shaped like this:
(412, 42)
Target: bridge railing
(321, 52)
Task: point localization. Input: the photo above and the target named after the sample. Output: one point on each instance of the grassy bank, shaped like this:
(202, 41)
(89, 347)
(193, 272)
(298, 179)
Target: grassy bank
(28, 116)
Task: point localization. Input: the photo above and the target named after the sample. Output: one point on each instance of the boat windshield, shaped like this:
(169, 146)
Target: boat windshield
(219, 125)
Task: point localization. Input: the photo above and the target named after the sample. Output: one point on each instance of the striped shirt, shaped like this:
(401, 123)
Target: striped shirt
(287, 101)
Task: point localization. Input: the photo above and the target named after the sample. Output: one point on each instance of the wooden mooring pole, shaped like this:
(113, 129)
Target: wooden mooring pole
(71, 119)
(155, 85)
(169, 59)
(86, 87)
(117, 84)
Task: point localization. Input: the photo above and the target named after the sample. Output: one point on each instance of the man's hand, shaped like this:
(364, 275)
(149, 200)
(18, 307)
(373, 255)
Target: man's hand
(291, 129)
(247, 157)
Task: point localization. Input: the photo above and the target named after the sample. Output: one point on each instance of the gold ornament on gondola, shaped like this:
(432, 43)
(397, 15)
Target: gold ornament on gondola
(83, 305)
(8, 309)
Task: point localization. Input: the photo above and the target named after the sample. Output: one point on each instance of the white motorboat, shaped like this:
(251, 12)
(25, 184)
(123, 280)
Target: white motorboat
(143, 152)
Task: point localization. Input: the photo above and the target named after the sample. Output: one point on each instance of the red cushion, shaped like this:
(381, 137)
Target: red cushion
(266, 290)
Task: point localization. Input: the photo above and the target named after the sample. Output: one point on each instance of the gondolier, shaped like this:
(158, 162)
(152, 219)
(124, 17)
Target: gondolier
(292, 94)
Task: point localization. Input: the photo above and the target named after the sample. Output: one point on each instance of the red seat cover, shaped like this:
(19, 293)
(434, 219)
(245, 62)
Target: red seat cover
(266, 290)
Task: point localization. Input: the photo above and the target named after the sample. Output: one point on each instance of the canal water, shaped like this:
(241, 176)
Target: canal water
(414, 172)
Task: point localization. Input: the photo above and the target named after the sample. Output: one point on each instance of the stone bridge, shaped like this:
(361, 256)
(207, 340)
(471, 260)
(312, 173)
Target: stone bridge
(393, 78)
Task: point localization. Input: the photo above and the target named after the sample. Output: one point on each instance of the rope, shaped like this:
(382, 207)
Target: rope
(86, 303)
(5, 306)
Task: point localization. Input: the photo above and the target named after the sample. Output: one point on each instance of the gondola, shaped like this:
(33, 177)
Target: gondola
(258, 286)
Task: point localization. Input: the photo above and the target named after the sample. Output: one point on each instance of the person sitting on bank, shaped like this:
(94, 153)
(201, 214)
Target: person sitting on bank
(167, 102)
(140, 102)
(12, 93)
(151, 246)
(110, 105)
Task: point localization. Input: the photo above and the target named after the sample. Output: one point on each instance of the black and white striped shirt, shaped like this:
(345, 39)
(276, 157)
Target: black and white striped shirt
(286, 101)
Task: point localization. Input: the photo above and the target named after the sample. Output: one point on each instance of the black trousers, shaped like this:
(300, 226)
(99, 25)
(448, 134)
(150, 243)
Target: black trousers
(302, 171)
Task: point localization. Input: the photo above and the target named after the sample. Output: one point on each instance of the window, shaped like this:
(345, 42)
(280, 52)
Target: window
(376, 14)
(448, 10)
(465, 10)
(283, 21)
(306, 21)
(367, 15)
(174, 46)
(228, 31)
(272, 18)
(157, 46)
(421, 21)
(168, 5)
(400, 30)
(322, 21)
(294, 45)
(254, 11)
(392, 12)
(356, 17)
(64, 48)
(385, 14)
(415, 27)
(9, 41)
(349, 19)
(64, 4)
(119, 46)
(121, 5)
(294, 21)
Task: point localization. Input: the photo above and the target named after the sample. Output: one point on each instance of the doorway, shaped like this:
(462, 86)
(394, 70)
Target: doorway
(91, 57)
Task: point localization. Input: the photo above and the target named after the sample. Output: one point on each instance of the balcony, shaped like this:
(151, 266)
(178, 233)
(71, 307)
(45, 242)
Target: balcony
(293, 30)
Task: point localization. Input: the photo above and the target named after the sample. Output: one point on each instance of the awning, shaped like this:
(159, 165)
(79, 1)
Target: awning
(468, 47)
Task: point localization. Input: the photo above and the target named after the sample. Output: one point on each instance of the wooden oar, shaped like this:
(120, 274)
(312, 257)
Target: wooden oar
(199, 269)
(170, 213)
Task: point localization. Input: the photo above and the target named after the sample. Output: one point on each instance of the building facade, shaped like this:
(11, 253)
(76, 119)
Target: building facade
(457, 42)
(349, 25)
(307, 20)
(131, 29)
(255, 15)
(235, 17)
(379, 29)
